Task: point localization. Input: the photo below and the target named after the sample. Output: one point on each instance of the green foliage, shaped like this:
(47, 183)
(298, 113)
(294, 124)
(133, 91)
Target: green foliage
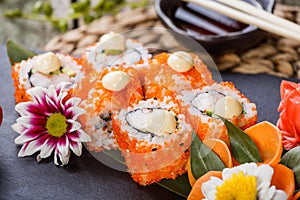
(42, 10)
(292, 160)
(203, 159)
(242, 146)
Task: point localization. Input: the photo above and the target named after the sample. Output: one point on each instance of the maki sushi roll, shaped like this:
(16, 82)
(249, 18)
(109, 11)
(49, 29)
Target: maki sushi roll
(154, 139)
(113, 50)
(44, 70)
(178, 71)
(103, 95)
(202, 107)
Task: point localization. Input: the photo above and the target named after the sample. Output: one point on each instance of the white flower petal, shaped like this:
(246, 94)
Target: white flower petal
(74, 101)
(50, 102)
(264, 174)
(75, 125)
(24, 121)
(64, 159)
(247, 169)
(28, 150)
(270, 193)
(77, 149)
(55, 158)
(52, 92)
(21, 139)
(262, 190)
(280, 195)
(84, 137)
(62, 86)
(22, 108)
(37, 93)
(46, 150)
(77, 112)
(63, 145)
(18, 128)
(208, 188)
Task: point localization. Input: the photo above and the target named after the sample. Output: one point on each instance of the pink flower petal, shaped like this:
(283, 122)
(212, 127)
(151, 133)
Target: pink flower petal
(37, 94)
(47, 148)
(74, 125)
(29, 148)
(29, 135)
(63, 145)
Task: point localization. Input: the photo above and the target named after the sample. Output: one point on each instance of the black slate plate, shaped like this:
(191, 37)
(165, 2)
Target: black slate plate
(85, 177)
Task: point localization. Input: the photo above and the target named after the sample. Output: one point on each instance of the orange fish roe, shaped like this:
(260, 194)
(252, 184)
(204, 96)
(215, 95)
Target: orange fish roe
(151, 159)
(107, 99)
(20, 91)
(212, 127)
(172, 171)
(196, 77)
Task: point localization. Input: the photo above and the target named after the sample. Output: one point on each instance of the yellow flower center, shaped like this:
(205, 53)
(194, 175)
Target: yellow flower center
(238, 187)
(56, 125)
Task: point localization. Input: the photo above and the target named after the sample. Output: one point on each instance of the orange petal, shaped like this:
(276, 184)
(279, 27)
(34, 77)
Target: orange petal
(196, 193)
(268, 140)
(192, 179)
(221, 149)
(283, 179)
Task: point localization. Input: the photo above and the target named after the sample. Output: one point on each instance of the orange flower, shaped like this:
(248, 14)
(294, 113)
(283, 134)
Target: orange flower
(289, 117)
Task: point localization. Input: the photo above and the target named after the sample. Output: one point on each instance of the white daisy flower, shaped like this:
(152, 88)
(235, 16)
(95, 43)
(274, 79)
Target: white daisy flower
(244, 182)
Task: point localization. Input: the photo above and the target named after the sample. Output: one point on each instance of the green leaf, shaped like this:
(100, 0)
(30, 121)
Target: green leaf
(80, 6)
(13, 13)
(47, 8)
(242, 146)
(17, 53)
(37, 7)
(203, 159)
(180, 186)
(292, 160)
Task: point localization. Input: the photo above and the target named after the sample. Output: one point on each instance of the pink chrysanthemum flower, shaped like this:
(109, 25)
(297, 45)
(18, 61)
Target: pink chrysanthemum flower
(48, 123)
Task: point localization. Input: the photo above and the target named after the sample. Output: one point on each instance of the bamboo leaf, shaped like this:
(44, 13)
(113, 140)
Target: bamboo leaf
(17, 53)
(292, 160)
(203, 159)
(180, 185)
(242, 146)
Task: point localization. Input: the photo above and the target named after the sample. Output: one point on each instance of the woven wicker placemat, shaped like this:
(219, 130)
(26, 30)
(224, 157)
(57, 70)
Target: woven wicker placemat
(276, 55)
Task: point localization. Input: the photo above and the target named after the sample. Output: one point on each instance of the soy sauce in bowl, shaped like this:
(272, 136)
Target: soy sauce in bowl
(215, 32)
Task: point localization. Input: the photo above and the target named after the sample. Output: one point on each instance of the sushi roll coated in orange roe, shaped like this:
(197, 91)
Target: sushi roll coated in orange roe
(44, 70)
(202, 105)
(179, 71)
(113, 49)
(154, 140)
(113, 89)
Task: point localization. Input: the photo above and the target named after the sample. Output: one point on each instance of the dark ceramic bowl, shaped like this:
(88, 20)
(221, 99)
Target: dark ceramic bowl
(235, 41)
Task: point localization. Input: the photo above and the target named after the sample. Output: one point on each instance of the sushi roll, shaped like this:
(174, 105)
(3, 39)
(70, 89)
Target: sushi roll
(44, 70)
(178, 71)
(154, 139)
(203, 105)
(113, 50)
(103, 95)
